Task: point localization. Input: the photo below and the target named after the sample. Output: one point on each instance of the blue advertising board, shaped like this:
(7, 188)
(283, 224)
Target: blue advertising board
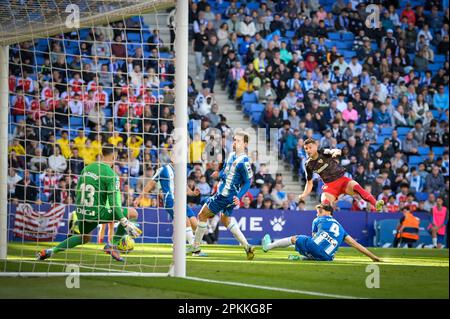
(254, 223)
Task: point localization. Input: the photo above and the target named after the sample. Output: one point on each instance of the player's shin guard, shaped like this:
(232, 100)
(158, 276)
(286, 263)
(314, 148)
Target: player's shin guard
(68, 243)
(364, 194)
(189, 235)
(234, 229)
(280, 243)
(200, 232)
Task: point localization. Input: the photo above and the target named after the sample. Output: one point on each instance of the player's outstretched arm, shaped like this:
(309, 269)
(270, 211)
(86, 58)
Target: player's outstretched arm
(308, 188)
(350, 241)
(147, 189)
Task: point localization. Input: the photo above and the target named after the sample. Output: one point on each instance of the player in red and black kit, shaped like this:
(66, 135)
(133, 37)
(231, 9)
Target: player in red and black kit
(323, 162)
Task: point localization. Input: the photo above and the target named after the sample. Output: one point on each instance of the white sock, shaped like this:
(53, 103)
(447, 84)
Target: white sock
(280, 243)
(234, 229)
(199, 232)
(435, 241)
(189, 235)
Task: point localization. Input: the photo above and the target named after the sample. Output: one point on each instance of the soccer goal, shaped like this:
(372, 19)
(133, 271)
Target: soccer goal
(91, 109)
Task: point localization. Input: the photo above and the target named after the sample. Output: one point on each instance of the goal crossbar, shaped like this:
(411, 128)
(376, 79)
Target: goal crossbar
(19, 32)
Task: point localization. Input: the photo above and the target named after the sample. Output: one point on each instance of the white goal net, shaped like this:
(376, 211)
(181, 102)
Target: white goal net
(79, 78)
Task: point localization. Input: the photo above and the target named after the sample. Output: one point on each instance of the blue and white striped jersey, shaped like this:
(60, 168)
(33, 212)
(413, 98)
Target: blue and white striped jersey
(236, 173)
(328, 234)
(165, 176)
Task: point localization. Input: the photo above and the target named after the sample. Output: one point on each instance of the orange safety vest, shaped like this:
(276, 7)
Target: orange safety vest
(410, 227)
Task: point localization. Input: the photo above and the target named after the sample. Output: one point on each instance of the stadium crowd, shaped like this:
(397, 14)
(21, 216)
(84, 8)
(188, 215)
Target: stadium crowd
(307, 68)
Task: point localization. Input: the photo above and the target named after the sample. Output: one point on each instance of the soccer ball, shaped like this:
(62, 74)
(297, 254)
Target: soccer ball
(126, 244)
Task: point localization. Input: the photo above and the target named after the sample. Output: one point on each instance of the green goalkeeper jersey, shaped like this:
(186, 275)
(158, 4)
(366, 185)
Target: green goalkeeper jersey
(98, 194)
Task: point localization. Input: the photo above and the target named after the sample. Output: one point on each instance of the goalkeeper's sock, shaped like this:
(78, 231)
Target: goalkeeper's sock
(280, 243)
(364, 194)
(189, 235)
(234, 229)
(119, 234)
(70, 242)
(434, 241)
(199, 233)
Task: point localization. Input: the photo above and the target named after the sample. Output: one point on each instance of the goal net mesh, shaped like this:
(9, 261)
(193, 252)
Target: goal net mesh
(83, 74)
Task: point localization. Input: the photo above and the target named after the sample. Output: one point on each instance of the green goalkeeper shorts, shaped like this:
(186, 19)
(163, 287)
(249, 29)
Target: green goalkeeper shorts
(86, 226)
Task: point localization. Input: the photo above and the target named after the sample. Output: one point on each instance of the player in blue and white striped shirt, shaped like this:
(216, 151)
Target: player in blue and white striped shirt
(327, 236)
(165, 177)
(235, 180)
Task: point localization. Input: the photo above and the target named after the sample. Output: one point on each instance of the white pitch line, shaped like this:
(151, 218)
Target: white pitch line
(294, 291)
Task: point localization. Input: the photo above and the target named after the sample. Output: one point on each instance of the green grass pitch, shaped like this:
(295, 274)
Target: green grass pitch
(405, 273)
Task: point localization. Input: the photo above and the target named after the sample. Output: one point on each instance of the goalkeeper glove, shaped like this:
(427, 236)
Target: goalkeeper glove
(131, 228)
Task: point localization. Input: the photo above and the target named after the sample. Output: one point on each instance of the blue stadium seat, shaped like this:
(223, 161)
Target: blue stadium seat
(76, 121)
(423, 150)
(134, 37)
(435, 113)
(414, 160)
(386, 131)
(254, 191)
(290, 34)
(421, 196)
(256, 118)
(249, 98)
(348, 36)
(317, 136)
(256, 107)
(335, 36)
(438, 150)
(108, 112)
(403, 130)
(380, 139)
(343, 204)
(439, 58)
(253, 5)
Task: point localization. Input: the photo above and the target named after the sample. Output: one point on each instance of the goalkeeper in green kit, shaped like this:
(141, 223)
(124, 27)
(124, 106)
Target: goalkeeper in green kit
(98, 201)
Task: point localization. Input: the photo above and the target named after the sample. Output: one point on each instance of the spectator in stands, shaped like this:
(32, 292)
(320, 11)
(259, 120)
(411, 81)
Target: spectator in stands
(434, 181)
(12, 180)
(57, 162)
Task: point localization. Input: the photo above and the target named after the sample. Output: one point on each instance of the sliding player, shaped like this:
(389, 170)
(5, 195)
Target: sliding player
(165, 176)
(327, 237)
(235, 181)
(98, 201)
(323, 162)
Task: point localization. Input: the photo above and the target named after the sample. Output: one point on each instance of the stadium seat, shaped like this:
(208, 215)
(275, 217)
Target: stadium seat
(423, 150)
(249, 98)
(438, 150)
(402, 131)
(439, 59)
(386, 130)
(348, 36)
(335, 36)
(421, 196)
(257, 107)
(76, 121)
(414, 160)
(256, 118)
(254, 191)
(343, 204)
(290, 34)
(435, 113)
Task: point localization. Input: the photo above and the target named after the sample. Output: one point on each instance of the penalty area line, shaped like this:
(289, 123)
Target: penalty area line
(294, 291)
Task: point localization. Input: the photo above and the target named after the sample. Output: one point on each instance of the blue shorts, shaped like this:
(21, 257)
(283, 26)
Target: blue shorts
(168, 204)
(219, 203)
(306, 246)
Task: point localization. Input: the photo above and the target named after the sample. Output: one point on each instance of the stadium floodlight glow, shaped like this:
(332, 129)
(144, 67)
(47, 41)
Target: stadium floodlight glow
(42, 19)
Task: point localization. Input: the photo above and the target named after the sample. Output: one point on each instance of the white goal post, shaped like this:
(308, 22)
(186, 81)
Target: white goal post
(24, 30)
